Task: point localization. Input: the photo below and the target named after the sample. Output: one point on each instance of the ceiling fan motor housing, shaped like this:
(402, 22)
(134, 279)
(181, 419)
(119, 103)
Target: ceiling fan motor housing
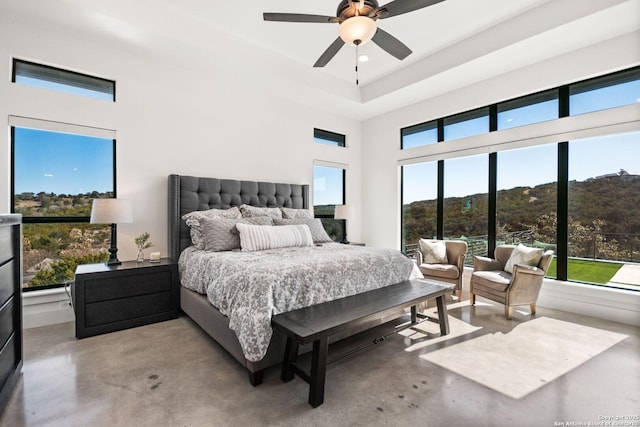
(348, 9)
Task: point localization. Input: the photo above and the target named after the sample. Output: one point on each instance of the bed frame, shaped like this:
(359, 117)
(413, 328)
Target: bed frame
(188, 194)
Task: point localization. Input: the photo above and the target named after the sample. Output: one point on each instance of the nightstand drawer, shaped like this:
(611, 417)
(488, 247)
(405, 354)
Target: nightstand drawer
(145, 282)
(104, 312)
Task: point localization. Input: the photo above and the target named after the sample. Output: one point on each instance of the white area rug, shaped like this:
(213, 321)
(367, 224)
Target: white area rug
(531, 355)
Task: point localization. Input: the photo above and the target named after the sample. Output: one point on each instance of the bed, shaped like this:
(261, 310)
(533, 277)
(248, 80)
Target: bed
(270, 275)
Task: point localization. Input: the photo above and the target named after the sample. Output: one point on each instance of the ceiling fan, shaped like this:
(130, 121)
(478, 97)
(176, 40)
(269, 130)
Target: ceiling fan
(357, 19)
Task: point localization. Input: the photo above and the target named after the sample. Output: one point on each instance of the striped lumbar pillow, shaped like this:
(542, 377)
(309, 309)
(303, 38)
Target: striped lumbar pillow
(261, 237)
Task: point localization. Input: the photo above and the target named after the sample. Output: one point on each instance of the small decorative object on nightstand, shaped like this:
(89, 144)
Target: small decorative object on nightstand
(112, 298)
(142, 242)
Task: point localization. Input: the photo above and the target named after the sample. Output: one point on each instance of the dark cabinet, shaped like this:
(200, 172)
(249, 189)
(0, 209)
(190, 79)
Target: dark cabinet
(10, 304)
(112, 298)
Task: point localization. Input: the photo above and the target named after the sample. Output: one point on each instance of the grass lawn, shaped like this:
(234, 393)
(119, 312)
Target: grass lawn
(587, 271)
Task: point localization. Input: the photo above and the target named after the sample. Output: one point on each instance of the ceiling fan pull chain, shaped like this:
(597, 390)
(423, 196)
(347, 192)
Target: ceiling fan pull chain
(357, 79)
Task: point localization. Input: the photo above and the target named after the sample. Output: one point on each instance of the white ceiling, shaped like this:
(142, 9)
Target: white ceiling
(454, 43)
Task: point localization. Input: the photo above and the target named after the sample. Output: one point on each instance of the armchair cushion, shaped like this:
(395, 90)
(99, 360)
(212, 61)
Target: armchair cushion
(447, 271)
(496, 280)
(433, 251)
(523, 255)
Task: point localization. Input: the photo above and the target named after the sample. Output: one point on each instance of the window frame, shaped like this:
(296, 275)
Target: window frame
(52, 219)
(342, 222)
(564, 92)
(332, 138)
(50, 70)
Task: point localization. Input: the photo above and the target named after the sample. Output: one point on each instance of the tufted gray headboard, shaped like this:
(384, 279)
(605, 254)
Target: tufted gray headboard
(188, 194)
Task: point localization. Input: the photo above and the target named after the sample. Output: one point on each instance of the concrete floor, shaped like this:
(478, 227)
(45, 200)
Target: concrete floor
(172, 374)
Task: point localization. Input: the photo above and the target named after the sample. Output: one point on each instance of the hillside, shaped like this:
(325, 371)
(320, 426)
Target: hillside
(615, 200)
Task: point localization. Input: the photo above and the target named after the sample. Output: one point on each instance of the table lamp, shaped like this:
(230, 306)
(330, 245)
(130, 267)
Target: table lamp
(111, 211)
(343, 212)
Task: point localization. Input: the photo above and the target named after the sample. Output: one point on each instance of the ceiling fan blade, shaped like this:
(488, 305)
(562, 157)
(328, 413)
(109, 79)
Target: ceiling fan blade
(329, 53)
(398, 7)
(298, 17)
(391, 44)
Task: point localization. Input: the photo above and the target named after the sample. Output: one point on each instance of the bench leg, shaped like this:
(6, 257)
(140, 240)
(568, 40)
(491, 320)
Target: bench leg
(442, 315)
(318, 371)
(290, 356)
(414, 315)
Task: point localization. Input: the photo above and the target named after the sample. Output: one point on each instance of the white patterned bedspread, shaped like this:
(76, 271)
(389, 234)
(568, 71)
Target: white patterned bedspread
(250, 287)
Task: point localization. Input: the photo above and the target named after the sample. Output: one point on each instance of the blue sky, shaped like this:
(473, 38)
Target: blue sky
(327, 185)
(62, 163)
(64, 88)
(529, 166)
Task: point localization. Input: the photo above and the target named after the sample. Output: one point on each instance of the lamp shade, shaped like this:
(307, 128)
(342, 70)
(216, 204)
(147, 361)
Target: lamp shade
(361, 28)
(343, 212)
(111, 211)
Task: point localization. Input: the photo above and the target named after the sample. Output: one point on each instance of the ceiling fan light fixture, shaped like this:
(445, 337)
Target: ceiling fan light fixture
(358, 29)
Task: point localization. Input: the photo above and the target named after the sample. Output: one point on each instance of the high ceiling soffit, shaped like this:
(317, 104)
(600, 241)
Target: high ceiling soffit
(455, 43)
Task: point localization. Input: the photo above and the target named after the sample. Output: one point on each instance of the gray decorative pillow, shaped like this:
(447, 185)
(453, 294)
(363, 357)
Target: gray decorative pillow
(433, 251)
(316, 228)
(193, 221)
(290, 213)
(523, 255)
(249, 211)
(221, 234)
(259, 238)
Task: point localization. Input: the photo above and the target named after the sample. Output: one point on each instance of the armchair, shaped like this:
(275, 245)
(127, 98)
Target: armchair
(521, 287)
(450, 272)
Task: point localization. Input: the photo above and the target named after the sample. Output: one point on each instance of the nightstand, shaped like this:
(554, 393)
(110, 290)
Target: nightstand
(112, 298)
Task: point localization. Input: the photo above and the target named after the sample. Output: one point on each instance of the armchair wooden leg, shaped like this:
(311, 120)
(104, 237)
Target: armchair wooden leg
(533, 308)
(508, 312)
(472, 298)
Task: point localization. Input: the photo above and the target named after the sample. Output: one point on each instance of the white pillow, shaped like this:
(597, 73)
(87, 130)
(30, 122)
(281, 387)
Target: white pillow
(259, 237)
(523, 255)
(433, 251)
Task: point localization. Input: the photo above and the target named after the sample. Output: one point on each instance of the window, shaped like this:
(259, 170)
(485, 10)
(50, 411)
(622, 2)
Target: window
(328, 191)
(580, 198)
(466, 124)
(55, 178)
(422, 134)
(526, 200)
(605, 92)
(466, 202)
(530, 109)
(419, 204)
(604, 207)
(43, 76)
(326, 137)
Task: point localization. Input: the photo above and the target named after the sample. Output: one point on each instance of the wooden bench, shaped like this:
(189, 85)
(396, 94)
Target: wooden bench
(315, 324)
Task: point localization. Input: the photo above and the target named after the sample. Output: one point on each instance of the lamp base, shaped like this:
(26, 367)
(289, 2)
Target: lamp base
(113, 248)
